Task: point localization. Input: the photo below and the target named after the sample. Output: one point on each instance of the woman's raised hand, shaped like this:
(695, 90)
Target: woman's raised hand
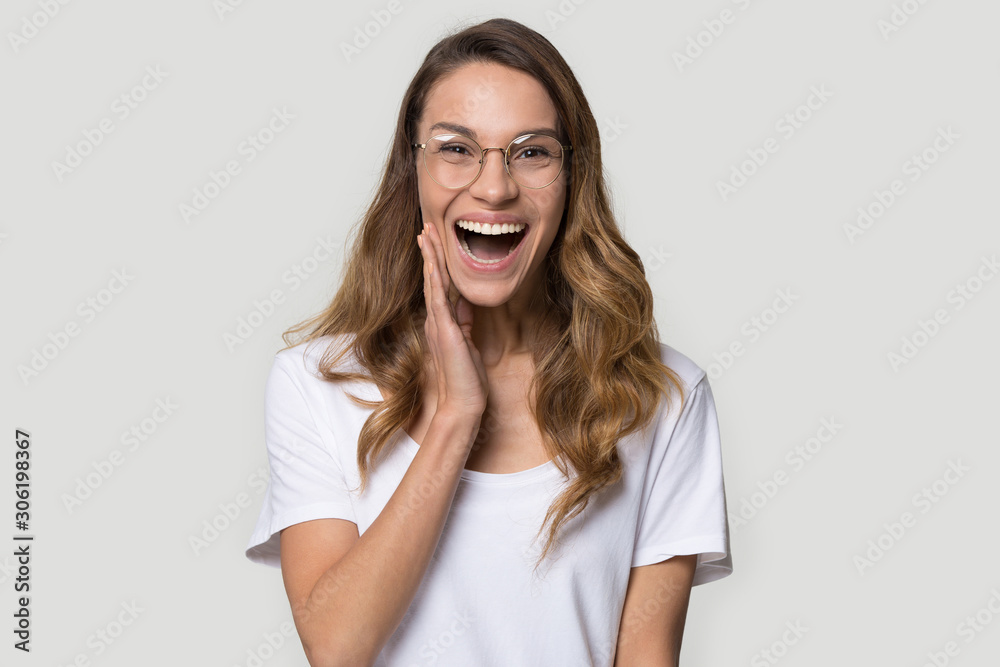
(462, 385)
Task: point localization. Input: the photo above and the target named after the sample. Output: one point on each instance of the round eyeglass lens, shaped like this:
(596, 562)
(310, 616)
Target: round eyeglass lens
(454, 161)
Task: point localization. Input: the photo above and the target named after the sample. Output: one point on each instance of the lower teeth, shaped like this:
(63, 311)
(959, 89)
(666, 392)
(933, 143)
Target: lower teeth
(465, 246)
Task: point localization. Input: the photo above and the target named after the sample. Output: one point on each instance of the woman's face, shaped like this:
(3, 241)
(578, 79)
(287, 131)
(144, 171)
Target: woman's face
(492, 105)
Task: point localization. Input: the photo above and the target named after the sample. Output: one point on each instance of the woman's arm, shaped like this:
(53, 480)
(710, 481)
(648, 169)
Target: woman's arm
(349, 593)
(653, 616)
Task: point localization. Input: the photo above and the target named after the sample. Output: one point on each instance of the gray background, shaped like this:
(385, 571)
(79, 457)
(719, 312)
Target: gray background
(671, 134)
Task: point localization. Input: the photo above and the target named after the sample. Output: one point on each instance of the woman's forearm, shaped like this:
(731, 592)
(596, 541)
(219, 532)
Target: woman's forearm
(357, 603)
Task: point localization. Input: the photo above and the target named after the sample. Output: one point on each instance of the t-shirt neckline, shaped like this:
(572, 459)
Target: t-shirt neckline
(543, 471)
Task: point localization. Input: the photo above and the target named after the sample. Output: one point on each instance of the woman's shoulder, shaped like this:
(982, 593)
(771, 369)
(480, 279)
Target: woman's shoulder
(306, 357)
(689, 373)
(299, 367)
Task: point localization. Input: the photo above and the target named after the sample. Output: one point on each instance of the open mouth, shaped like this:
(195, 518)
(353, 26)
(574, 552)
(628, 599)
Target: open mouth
(489, 244)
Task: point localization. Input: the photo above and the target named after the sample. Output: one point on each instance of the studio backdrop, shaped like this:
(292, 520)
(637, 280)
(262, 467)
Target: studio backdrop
(811, 187)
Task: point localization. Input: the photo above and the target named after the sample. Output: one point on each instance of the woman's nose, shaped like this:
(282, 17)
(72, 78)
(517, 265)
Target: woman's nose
(494, 183)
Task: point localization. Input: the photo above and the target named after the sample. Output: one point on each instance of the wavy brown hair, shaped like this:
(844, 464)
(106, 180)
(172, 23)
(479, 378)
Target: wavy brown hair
(597, 376)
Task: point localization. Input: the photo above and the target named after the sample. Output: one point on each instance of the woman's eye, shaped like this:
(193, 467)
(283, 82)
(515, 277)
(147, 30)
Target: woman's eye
(532, 153)
(457, 149)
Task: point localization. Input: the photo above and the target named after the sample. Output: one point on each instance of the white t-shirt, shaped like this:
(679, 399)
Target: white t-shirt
(479, 602)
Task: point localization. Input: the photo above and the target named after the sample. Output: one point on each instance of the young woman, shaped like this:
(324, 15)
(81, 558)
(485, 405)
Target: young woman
(480, 453)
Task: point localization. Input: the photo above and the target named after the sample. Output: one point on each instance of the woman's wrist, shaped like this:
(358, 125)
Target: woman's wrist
(457, 424)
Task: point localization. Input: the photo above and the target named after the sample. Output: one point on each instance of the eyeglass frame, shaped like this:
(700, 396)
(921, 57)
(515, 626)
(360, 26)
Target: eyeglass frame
(506, 159)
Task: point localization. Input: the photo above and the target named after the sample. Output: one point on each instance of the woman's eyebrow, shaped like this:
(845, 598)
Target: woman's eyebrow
(469, 132)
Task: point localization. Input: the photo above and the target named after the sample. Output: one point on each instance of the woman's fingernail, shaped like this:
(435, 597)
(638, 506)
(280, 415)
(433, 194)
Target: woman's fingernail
(420, 241)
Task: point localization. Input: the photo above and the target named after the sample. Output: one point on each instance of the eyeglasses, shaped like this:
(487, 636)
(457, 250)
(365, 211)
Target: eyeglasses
(455, 161)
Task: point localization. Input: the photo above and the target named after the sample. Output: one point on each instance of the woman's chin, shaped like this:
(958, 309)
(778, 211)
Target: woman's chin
(483, 295)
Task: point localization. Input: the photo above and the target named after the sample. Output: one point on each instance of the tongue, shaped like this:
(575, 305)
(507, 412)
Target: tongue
(489, 246)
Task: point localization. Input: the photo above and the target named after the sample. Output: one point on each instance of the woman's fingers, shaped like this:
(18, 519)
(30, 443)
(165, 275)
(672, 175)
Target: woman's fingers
(425, 252)
(430, 327)
(437, 252)
(438, 297)
(461, 309)
(438, 313)
(448, 328)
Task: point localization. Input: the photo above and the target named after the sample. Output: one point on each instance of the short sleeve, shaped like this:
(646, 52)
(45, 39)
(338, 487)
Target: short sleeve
(684, 498)
(306, 480)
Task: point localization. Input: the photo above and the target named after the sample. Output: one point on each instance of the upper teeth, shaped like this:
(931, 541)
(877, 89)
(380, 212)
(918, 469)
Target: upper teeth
(480, 228)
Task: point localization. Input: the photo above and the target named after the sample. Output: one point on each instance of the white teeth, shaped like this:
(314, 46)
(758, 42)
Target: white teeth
(480, 228)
